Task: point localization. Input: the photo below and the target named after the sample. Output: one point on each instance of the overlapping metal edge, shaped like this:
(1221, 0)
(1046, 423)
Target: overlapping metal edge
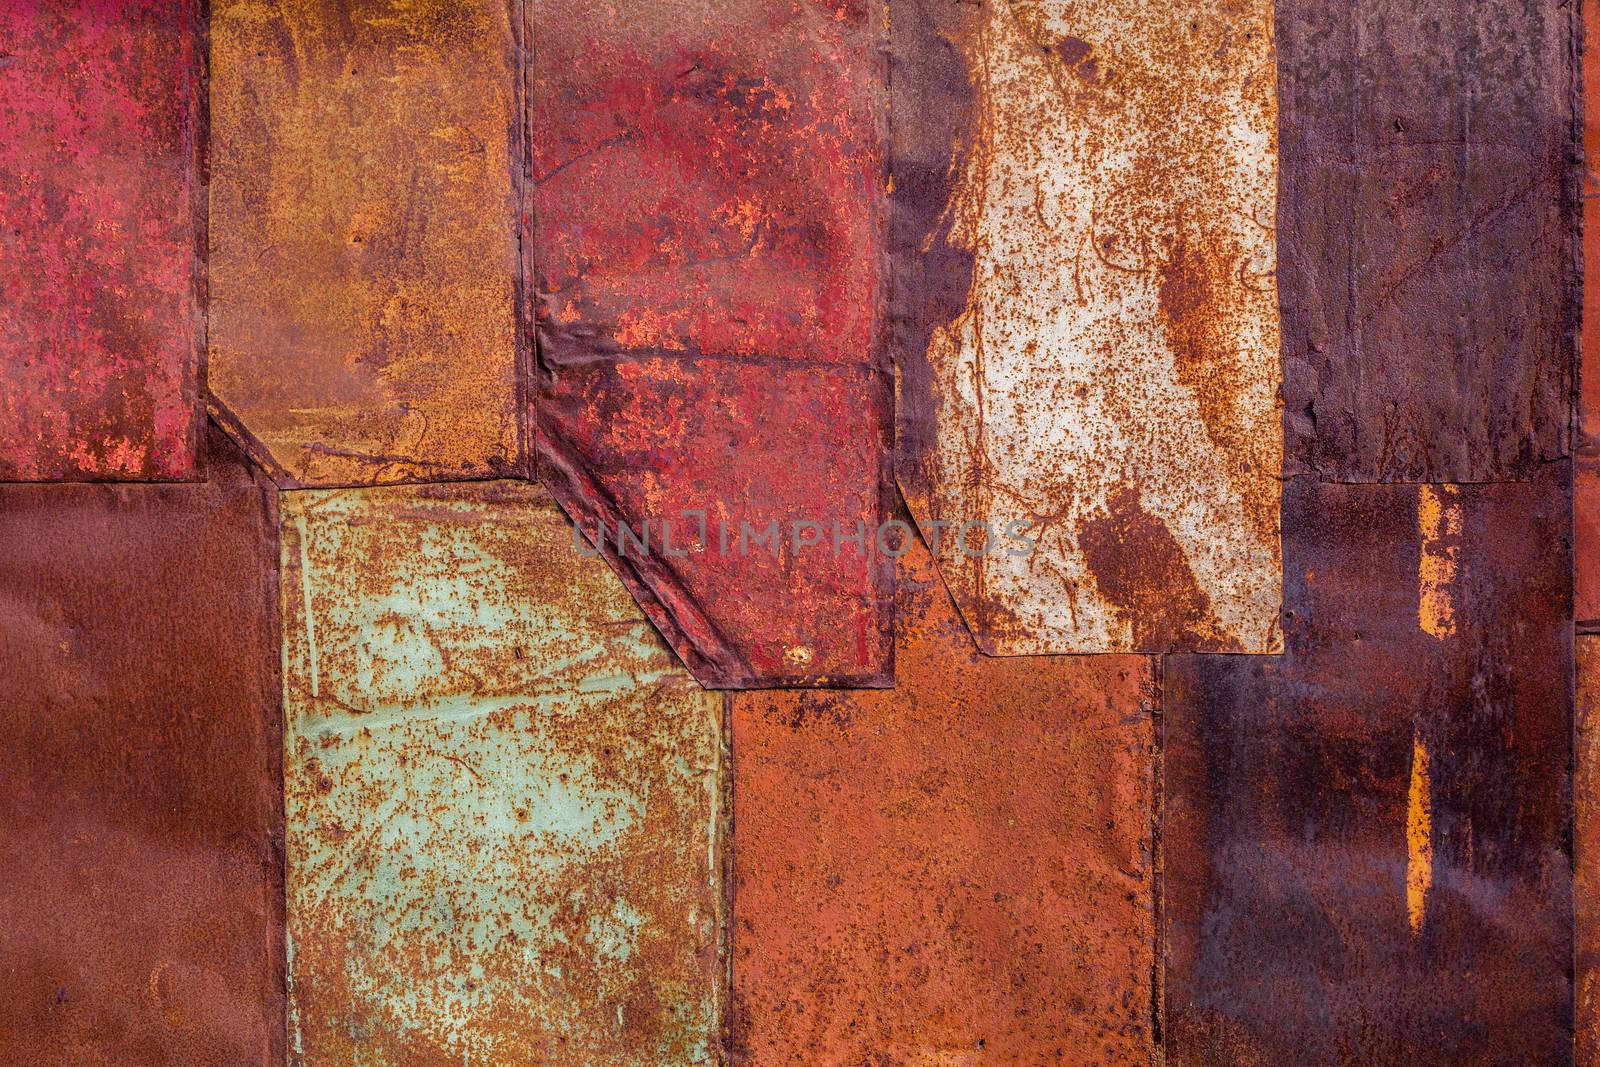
(102, 224)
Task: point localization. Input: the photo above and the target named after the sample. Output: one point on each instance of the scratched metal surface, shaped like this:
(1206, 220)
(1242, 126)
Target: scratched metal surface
(707, 189)
(141, 813)
(1426, 237)
(101, 212)
(1586, 850)
(504, 797)
(1086, 319)
(363, 238)
(1366, 851)
(955, 871)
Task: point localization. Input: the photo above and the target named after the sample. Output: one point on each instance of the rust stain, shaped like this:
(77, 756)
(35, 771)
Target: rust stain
(1099, 359)
(101, 206)
(955, 871)
(363, 237)
(707, 185)
(1365, 851)
(1439, 520)
(504, 798)
(141, 814)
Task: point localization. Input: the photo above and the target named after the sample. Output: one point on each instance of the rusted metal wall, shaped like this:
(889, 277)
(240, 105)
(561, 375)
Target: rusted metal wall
(1425, 237)
(956, 871)
(707, 189)
(101, 211)
(1366, 840)
(140, 814)
(504, 797)
(1086, 319)
(1587, 450)
(363, 237)
(1586, 852)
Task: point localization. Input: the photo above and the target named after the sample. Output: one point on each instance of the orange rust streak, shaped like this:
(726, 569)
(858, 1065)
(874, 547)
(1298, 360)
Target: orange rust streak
(1419, 836)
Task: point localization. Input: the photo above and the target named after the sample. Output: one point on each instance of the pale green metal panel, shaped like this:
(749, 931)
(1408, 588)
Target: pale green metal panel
(504, 796)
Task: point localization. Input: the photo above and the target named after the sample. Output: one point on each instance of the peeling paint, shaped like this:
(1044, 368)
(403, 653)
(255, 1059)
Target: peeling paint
(970, 853)
(363, 238)
(503, 797)
(707, 194)
(1439, 520)
(1100, 355)
(1586, 852)
(1365, 840)
(1419, 836)
(101, 211)
(141, 814)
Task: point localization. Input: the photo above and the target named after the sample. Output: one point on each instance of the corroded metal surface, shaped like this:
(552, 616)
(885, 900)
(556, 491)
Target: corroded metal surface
(1586, 851)
(955, 871)
(1086, 316)
(1365, 840)
(140, 813)
(101, 207)
(504, 797)
(1586, 533)
(707, 188)
(1426, 237)
(363, 238)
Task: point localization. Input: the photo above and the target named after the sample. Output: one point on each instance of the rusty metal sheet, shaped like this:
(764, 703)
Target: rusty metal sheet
(1587, 498)
(141, 811)
(955, 871)
(1086, 319)
(1586, 851)
(707, 184)
(504, 797)
(1365, 840)
(1427, 236)
(363, 238)
(101, 208)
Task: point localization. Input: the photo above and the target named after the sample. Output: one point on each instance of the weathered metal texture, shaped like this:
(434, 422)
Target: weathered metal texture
(363, 238)
(1586, 850)
(708, 187)
(1366, 854)
(955, 871)
(1086, 319)
(1427, 237)
(504, 796)
(101, 204)
(1587, 500)
(141, 807)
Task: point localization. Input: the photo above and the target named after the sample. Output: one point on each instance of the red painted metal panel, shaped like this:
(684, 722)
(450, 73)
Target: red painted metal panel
(140, 773)
(101, 209)
(958, 870)
(1587, 504)
(1366, 853)
(1427, 266)
(707, 186)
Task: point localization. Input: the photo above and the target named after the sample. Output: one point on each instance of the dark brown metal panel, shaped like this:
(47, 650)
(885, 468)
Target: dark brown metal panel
(1366, 839)
(101, 230)
(707, 189)
(955, 871)
(1425, 237)
(140, 773)
(1586, 852)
